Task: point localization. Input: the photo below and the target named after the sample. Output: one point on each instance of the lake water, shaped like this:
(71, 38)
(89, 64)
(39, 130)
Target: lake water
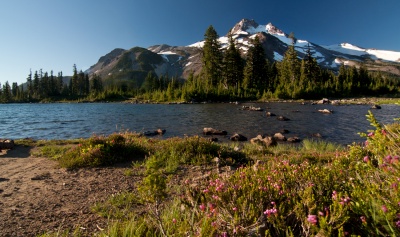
(81, 120)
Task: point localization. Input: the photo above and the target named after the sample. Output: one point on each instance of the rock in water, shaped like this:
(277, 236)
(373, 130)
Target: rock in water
(282, 118)
(279, 136)
(238, 137)
(212, 131)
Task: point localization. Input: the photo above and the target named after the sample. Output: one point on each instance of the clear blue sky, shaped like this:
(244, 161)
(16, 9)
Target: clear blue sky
(55, 34)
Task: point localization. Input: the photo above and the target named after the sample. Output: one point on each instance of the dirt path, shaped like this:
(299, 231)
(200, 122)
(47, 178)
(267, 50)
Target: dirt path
(38, 197)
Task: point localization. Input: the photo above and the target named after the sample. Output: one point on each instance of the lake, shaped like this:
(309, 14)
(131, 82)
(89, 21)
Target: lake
(82, 120)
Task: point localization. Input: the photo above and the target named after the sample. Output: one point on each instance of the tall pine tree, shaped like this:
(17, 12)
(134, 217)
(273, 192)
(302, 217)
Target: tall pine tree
(233, 66)
(255, 72)
(212, 57)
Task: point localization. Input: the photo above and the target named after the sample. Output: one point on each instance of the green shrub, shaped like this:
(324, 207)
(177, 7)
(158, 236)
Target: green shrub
(102, 150)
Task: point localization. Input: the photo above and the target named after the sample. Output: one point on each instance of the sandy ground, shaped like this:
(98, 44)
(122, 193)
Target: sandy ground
(37, 197)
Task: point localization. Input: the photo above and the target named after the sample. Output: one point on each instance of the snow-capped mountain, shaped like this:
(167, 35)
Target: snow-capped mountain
(180, 61)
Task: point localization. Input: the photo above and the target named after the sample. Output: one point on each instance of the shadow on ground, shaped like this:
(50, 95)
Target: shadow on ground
(16, 152)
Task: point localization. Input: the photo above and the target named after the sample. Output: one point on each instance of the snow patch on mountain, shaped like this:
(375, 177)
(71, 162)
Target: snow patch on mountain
(350, 49)
(278, 57)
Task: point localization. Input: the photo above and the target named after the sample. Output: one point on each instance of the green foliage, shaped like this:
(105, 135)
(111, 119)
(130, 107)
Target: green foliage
(101, 150)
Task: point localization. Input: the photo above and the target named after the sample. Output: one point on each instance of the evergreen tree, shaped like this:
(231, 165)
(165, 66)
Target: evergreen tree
(36, 85)
(7, 95)
(310, 74)
(29, 85)
(212, 57)
(44, 86)
(15, 90)
(60, 83)
(96, 84)
(74, 84)
(255, 72)
(149, 83)
(233, 66)
(289, 73)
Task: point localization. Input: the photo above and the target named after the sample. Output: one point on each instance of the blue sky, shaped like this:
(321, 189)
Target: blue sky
(55, 34)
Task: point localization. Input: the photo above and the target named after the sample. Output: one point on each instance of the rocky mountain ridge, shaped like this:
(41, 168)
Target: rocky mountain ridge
(180, 61)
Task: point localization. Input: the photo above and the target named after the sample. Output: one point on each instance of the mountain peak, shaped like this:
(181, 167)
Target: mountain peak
(244, 26)
(274, 30)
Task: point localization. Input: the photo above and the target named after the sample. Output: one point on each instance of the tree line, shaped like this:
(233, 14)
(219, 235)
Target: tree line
(225, 75)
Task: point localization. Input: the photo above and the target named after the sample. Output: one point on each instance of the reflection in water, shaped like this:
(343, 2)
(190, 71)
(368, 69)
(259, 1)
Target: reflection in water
(64, 121)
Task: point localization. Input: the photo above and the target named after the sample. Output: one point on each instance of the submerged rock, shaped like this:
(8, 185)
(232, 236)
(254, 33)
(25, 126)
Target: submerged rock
(293, 139)
(155, 133)
(282, 118)
(212, 131)
(251, 108)
(238, 137)
(279, 136)
(325, 111)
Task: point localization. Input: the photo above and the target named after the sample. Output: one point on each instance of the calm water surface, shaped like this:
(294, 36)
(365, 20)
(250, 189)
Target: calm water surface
(65, 121)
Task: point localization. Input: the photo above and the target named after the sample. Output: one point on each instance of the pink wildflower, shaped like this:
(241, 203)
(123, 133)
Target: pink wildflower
(268, 212)
(398, 224)
(202, 207)
(215, 197)
(371, 134)
(313, 219)
(234, 208)
(366, 159)
(384, 208)
(334, 195)
(363, 219)
(174, 220)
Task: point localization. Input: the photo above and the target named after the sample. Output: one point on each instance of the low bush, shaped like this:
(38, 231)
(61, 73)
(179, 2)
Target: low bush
(104, 150)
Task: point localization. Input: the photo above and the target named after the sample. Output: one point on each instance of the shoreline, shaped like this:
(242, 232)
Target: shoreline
(336, 101)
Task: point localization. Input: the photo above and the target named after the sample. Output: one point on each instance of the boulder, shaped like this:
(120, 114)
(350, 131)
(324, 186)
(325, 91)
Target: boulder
(212, 131)
(335, 102)
(161, 131)
(251, 108)
(325, 111)
(213, 139)
(376, 107)
(282, 118)
(279, 136)
(316, 135)
(238, 137)
(264, 141)
(284, 131)
(6, 144)
(155, 132)
(323, 101)
(293, 139)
